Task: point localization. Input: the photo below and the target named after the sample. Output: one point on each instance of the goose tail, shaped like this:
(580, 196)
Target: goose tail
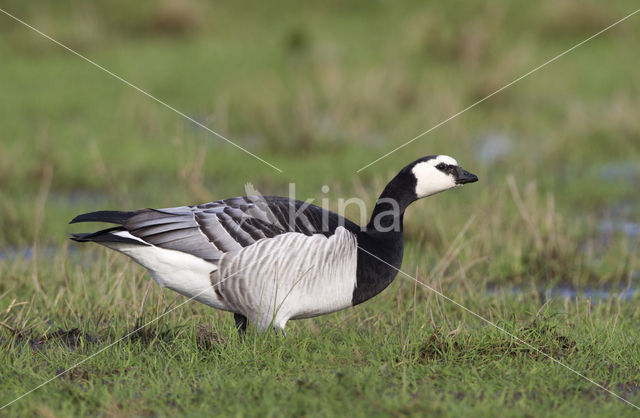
(116, 234)
(109, 216)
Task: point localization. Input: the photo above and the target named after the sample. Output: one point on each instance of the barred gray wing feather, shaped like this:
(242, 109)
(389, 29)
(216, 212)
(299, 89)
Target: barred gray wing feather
(174, 229)
(212, 229)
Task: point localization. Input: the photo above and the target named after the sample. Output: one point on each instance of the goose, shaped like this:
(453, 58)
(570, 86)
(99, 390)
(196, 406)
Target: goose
(270, 259)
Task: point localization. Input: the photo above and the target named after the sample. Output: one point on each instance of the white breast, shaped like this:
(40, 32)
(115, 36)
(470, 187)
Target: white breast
(289, 276)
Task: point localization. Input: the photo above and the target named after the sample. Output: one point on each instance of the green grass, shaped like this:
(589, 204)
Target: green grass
(321, 91)
(406, 352)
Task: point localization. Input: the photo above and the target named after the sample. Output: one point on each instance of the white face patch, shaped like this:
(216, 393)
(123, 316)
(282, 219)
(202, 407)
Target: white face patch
(430, 180)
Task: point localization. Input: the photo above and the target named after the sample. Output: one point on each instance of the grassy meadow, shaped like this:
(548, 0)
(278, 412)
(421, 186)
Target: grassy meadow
(545, 245)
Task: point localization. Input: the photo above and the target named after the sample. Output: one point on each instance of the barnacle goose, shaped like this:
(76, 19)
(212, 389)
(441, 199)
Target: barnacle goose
(270, 259)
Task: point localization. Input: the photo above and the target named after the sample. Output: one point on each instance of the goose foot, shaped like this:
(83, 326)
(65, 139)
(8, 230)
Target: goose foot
(241, 323)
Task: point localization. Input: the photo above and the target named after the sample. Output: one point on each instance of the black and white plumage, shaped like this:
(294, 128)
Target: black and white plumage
(270, 259)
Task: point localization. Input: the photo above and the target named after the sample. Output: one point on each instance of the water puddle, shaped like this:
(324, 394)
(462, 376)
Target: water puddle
(627, 171)
(589, 293)
(45, 252)
(79, 198)
(493, 146)
(626, 228)
(567, 292)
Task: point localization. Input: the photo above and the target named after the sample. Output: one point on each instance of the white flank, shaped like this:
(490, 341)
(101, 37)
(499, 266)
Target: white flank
(290, 276)
(181, 272)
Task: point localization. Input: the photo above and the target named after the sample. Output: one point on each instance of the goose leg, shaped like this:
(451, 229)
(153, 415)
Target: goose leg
(241, 322)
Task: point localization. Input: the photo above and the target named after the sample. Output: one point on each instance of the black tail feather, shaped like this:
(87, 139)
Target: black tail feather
(110, 216)
(105, 235)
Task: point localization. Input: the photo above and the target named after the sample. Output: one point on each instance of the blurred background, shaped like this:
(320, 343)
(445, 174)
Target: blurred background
(320, 90)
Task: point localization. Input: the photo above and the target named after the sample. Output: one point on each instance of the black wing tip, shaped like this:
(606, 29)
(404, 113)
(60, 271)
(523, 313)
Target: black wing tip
(78, 237)
(109, 216)
(105, 235)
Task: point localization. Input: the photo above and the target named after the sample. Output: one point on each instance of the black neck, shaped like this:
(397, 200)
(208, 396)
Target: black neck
(381, 243)
(390, 206)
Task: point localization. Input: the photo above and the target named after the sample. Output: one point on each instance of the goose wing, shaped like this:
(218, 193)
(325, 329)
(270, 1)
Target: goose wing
(212, 229)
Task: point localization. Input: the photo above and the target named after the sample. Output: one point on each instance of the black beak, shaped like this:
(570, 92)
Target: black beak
(463, 176)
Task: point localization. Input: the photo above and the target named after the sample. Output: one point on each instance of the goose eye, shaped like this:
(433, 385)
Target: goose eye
(441, 166)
